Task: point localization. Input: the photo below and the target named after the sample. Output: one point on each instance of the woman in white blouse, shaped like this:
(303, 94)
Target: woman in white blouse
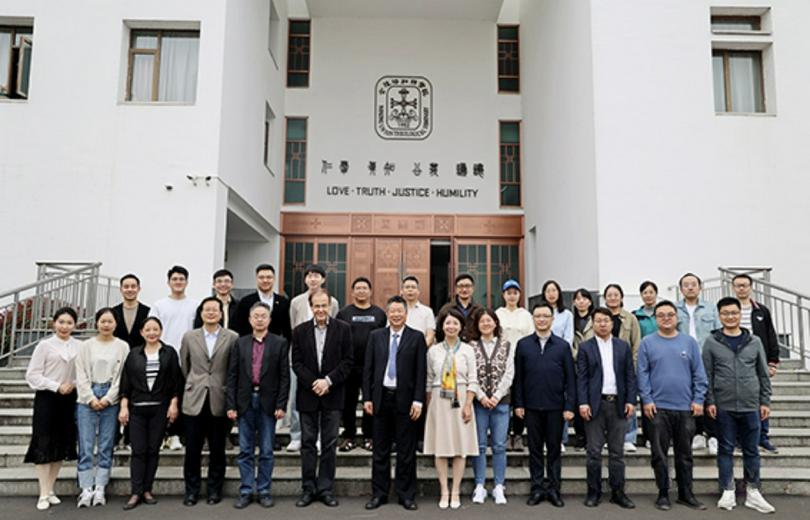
(98, 375)
(52, 373)
(452, 384)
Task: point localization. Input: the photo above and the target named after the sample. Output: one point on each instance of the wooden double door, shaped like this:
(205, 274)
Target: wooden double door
(387, 260)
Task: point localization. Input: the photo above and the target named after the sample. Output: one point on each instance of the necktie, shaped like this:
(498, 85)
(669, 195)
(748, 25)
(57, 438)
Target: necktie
(392, 357)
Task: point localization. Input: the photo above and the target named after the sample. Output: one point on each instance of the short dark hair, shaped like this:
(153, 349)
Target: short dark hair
(360, 279)
(696, 277)
(129, 276)
(604, 311)
(542, 304)
(664, 303)
(222, 272)
(559, 304)
(315, 268)
(411, 277)
(728, 300)
(320, 290)
(647, 283)
(152, 318)
(455, 313)
(585, 293)
(265, 267)
(70, 311)
(212, 299)
(744, 276)
(613, 286)
(473, 333)
(260, 305)
(396, 299)
(102, 311)
(177, 269)
(464, 276)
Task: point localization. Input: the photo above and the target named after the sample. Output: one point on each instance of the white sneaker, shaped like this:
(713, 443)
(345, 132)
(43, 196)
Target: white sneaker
(53, 499)
(86, 498)
(498, 493)
(630, 447)
(174, 443)
(712, 446)
(699, 442)
(479, 494)
(318, 445)
(728, 501)
(99, 499)
(562, 448)
(755, 500)
(294, 446)
(43, 503)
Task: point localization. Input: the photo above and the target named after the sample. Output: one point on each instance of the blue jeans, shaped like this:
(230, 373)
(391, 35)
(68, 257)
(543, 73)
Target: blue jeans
(96, 427)
(495, 421)
(632, 430)
(293, 419)
(745, 427)
(255, 425)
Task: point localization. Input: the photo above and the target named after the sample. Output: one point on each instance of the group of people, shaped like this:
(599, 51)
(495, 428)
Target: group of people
(449, 386)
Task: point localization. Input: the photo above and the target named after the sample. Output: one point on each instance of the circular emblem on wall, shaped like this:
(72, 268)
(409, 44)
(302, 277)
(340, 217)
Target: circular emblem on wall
(403, 108)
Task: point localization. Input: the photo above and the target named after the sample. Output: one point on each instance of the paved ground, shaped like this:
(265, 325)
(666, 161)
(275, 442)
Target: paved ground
(172, 508)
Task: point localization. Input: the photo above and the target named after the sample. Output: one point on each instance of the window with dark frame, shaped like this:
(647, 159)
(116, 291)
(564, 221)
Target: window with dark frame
(508, 58)
(298, 51)
(738, 81)
(163, 66)
(269, 119)
(723, 23)
(510, 163)
(16, 44)
(295, 161)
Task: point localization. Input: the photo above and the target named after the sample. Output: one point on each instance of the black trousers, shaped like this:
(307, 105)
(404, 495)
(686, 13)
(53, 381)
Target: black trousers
(544, 427)
(518, 425)
(146, 427)
(705, 425)
(390, 426)
(198, 429)
(325, 423)
(608, 426)
(677, 428)
(353, 384)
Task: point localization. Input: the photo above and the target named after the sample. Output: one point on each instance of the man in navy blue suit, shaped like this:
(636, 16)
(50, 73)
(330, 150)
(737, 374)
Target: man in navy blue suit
(606, 389)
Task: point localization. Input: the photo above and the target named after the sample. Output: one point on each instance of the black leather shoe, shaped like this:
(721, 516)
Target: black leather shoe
(190, 500)
(554, 498)
(535, 498)
(266, 501)
(689, 500)
(243, 501)
(329, 500)
(621, 500)
(132, 503)
(149, 499)
(305, 500)
(592, 500)
(376, 502)
(662, 502)
(410, 505)
(214, 498)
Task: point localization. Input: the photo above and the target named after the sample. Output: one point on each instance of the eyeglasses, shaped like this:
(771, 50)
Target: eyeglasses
(465, 286)
(730, 314)
(742, 285)
(665, 315)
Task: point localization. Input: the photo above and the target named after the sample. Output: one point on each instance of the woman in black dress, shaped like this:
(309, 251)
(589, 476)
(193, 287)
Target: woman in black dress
(150, 385)
(52, 373)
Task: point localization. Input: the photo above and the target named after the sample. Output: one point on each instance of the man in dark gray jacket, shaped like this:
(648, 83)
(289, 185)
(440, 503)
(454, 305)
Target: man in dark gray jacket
(739, 397)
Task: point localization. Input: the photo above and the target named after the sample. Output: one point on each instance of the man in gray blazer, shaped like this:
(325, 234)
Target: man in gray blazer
(204, 356)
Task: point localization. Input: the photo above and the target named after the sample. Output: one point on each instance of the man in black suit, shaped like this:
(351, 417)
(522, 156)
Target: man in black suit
(279, 305)
(393, 393)
(258, 390)
(222, 284)
(130, 313)
(322, 360)
(606, 390)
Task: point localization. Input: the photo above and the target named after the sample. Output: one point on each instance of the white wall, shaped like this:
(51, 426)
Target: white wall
(680, 188)
(348, 57)
(558, 142)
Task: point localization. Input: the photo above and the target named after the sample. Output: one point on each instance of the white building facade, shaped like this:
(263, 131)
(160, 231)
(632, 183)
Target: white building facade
(635, 140)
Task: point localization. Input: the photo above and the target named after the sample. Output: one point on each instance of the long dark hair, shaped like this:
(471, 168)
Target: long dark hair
(473, 334)
(559, 305)
(585, 293)
(440, 323)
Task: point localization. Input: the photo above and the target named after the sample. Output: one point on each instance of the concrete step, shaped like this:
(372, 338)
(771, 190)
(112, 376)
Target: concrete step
(791, 364)
(356, 481)
(12, 373)
(792, 375)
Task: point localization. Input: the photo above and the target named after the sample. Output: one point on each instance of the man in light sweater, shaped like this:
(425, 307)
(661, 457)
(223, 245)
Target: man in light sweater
(672, 385)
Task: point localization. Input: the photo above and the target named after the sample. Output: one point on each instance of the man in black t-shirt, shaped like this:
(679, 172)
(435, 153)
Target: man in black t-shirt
(363, 317)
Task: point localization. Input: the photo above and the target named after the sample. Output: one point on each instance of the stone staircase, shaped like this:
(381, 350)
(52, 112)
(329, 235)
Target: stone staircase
(787, 472)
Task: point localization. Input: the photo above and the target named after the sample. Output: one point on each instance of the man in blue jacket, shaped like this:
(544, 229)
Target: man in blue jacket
(606, 388)
(544, 394)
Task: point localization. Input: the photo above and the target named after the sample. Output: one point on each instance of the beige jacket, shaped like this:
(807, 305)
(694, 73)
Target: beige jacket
(205, 377)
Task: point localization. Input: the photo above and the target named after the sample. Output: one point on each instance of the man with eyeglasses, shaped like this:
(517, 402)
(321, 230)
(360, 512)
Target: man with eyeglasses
(463, 300)
(738, 397)
(672, 385)
(756, 318)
